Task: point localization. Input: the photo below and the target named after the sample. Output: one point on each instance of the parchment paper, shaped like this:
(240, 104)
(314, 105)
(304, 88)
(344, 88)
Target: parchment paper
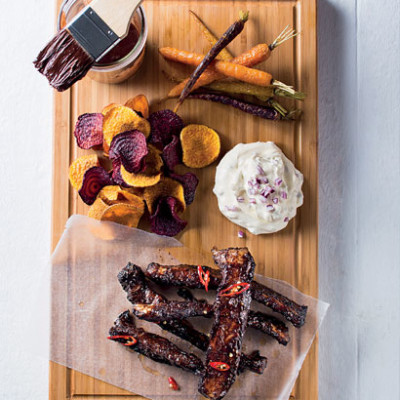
(86, 298)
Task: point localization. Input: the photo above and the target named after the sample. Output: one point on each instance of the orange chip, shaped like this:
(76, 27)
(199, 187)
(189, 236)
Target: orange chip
(150, 176)
(106, 109)
(133, 199)
(121, 119)
(139, 103)
(97, 209)
(167, 187)
(78, 168)
(109, 193)
(124, 214)
(200, 145)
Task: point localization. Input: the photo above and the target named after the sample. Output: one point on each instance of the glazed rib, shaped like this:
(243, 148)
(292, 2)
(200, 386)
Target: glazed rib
(154, 346)
(134, 283)
(231, 313)
(158, 313)
(185, 275)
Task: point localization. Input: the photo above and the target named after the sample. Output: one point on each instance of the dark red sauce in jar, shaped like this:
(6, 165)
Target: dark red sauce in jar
(123, 48)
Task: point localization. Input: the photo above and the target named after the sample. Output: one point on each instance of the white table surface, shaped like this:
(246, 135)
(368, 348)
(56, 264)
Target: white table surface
(359, 92)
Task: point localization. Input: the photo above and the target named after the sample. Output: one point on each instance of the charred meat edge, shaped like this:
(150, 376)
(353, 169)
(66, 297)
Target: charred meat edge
(231, 313)
(155, 347)
(134, 283)
(186, 275)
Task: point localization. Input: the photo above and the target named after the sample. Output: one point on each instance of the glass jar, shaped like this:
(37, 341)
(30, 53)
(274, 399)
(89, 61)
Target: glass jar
(113, 69)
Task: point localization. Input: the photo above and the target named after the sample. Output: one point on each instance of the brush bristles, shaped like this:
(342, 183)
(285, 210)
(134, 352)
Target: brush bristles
(63, 61)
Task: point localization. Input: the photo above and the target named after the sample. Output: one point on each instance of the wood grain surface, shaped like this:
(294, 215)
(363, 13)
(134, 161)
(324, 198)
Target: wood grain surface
(291, 254)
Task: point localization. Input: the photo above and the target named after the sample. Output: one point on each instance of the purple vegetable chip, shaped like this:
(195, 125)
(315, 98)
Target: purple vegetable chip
(172, 153)
(94, 180)
(189, 182)
(116, 174)
(130, 149)
(165, 221)
(164, 124)
(89, 130)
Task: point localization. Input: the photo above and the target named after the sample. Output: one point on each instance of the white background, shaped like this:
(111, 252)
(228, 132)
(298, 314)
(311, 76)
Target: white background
(359, 96)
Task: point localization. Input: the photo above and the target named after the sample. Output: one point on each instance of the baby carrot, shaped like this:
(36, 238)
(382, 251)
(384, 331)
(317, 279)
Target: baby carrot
(223, 41)
(250, 58)
(210, 37)
(225, 68)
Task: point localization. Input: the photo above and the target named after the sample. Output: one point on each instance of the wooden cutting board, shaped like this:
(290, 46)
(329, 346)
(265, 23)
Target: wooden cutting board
(290, 255)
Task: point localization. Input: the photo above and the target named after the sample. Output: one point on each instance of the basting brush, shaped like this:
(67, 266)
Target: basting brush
(98, 28)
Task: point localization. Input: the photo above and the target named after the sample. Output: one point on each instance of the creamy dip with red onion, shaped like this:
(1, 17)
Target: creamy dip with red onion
(258, 187)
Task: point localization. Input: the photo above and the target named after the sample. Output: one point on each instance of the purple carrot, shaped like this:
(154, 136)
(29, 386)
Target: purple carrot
(223, 41)
(259, 111)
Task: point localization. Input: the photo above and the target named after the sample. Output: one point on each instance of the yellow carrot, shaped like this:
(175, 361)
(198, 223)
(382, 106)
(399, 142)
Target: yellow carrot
(210, 37)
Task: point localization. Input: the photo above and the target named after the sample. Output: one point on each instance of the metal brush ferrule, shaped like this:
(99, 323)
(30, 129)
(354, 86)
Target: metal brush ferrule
(92, 33)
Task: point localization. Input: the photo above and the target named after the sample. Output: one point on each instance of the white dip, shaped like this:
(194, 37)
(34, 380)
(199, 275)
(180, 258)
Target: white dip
(258, 187)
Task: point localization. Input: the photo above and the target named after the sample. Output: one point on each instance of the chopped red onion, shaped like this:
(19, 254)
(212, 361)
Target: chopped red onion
(252, 201)
(241, 234)
(232, 208)
(252, 192)
(270, 207)
(286, 219)
(264, 200)
(284, 195)
(240, 199)
(264, 179)
(260, 170)
(278, 181)
(275, 200)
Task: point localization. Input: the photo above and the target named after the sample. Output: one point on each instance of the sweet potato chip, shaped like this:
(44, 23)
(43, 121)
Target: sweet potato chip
(167, 187)
(164, 124)
(150, 176)
(122, 119)
(78, 168)
(200, 145)
(109, 193)
(133, 199)
(130, 149)
(165, 220)
(189, 182)
(172, 153)
(106, 109)
(94, 180)
(97, 209)
(139, 104)
(89, 130)
(124, 214)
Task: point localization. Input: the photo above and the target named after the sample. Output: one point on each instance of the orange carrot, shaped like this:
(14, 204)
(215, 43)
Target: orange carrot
(250, 58)
(225, 68)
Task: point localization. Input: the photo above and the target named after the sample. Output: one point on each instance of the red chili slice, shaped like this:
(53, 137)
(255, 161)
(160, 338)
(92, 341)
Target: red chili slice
(131, 341)
(220, 366)
(234, 290)
(172, 383)
(203, 276)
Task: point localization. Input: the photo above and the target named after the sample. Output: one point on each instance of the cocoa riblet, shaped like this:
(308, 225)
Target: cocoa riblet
(158, 313)
(185, 275)
(154, 346)
(134, 283)
(231, 312)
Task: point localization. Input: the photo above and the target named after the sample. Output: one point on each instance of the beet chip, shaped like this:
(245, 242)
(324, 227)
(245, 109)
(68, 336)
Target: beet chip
(172, 153)
(164, 124)
(130, 149)
(189, 182)
(165, 221)
(94, 180)
(89, 130)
